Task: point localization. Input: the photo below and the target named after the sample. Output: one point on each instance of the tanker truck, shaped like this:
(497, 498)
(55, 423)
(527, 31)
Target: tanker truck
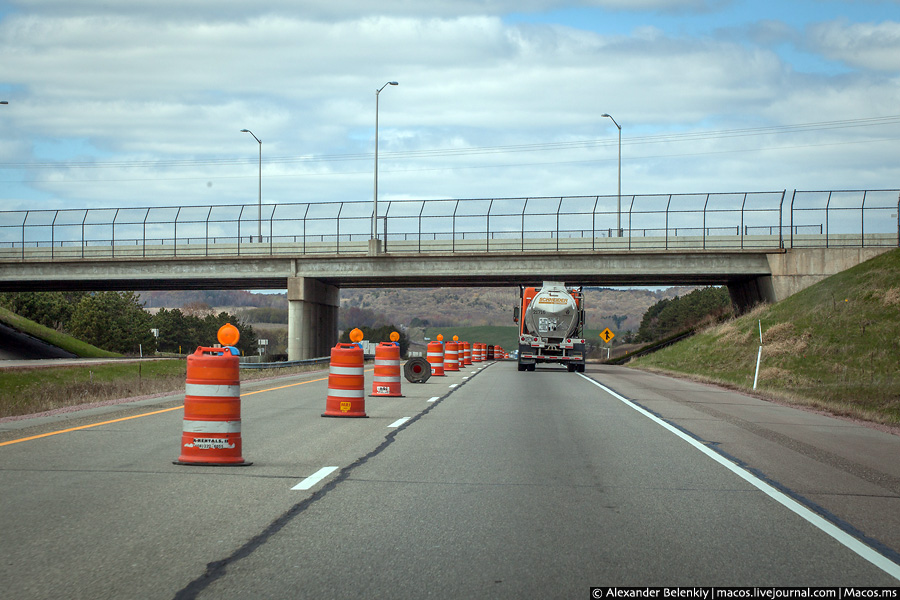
(551, 326)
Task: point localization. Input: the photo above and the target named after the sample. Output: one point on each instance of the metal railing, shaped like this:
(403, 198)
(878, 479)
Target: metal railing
(738, 221)
(855, 218)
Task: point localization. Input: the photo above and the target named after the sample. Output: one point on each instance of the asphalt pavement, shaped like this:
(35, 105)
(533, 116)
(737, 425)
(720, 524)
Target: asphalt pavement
(498, 484)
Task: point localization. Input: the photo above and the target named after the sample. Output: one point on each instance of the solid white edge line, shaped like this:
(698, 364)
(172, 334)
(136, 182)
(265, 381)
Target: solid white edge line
(864, 551)
(315, 478)
(433, 398)
(399, 422)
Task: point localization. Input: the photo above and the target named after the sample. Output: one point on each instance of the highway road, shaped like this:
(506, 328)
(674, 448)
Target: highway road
(499, 485)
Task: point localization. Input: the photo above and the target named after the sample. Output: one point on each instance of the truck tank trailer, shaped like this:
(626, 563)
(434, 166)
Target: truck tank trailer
(551, 326)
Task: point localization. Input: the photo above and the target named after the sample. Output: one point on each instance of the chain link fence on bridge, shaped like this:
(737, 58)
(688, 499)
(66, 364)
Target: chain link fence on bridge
(727, 221)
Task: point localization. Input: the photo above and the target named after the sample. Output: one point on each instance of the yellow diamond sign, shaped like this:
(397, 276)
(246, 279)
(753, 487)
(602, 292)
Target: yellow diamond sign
(607, 335)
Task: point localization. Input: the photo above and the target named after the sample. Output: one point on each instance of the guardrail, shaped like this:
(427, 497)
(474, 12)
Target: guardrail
(283, 364)
(745, 220)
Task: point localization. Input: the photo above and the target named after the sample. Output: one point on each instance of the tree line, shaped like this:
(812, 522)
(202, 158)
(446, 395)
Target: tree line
(670, 316)
(117, 321)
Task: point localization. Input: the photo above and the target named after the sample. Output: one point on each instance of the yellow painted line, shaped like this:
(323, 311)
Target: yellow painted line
(43, 435)
(282, 387)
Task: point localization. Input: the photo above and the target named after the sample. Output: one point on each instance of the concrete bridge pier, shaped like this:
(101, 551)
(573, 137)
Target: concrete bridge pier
(312, 317)
(795, 270)
(747, 293)
(799, 268)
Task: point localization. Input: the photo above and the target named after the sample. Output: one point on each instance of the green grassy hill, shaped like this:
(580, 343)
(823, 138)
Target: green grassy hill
(53, 337)
(834, 346)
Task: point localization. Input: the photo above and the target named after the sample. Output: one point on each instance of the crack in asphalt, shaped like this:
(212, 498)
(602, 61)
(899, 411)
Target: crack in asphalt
(218, 569)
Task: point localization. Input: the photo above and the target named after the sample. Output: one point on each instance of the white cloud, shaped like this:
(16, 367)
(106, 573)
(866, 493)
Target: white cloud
(330, 10)
(861, 45)
(174, 92)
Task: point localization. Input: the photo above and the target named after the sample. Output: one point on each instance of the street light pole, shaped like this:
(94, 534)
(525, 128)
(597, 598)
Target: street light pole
(619, 203)
(259, 217)
(375, 207)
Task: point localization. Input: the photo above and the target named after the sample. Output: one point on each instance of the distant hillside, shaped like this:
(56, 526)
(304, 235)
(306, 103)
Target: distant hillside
(834, 345)
(621, 310)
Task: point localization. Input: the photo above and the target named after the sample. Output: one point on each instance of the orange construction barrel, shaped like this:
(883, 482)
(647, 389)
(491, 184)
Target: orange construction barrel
(211, 430)
(466, 354)
(451, 356)
(387, 370)
(435, 358)
(346, 383)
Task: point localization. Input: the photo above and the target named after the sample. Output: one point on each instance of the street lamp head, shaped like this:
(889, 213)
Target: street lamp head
(5, 102)
(378, 91)
(606, 115)
(253, 134)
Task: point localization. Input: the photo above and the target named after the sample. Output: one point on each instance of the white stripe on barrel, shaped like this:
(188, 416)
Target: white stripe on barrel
(346, 393)
(212, 427)
(214, 390)
(345, 370)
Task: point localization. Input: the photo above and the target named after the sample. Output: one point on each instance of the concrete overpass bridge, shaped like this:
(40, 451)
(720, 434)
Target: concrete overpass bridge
(761, 248)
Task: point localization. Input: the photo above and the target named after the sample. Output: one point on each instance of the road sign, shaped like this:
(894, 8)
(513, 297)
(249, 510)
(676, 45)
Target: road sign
(607, 335)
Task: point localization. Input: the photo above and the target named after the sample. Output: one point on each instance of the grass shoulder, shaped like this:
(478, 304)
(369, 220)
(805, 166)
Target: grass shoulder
(31, 390)
(834, 346)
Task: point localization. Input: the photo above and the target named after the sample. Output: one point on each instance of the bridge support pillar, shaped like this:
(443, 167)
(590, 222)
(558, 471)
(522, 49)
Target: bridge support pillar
(795, 270)
(747, 293)
(799, 268)
(312, 318)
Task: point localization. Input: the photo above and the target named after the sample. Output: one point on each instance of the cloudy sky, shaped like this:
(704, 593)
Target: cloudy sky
(140, 103)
